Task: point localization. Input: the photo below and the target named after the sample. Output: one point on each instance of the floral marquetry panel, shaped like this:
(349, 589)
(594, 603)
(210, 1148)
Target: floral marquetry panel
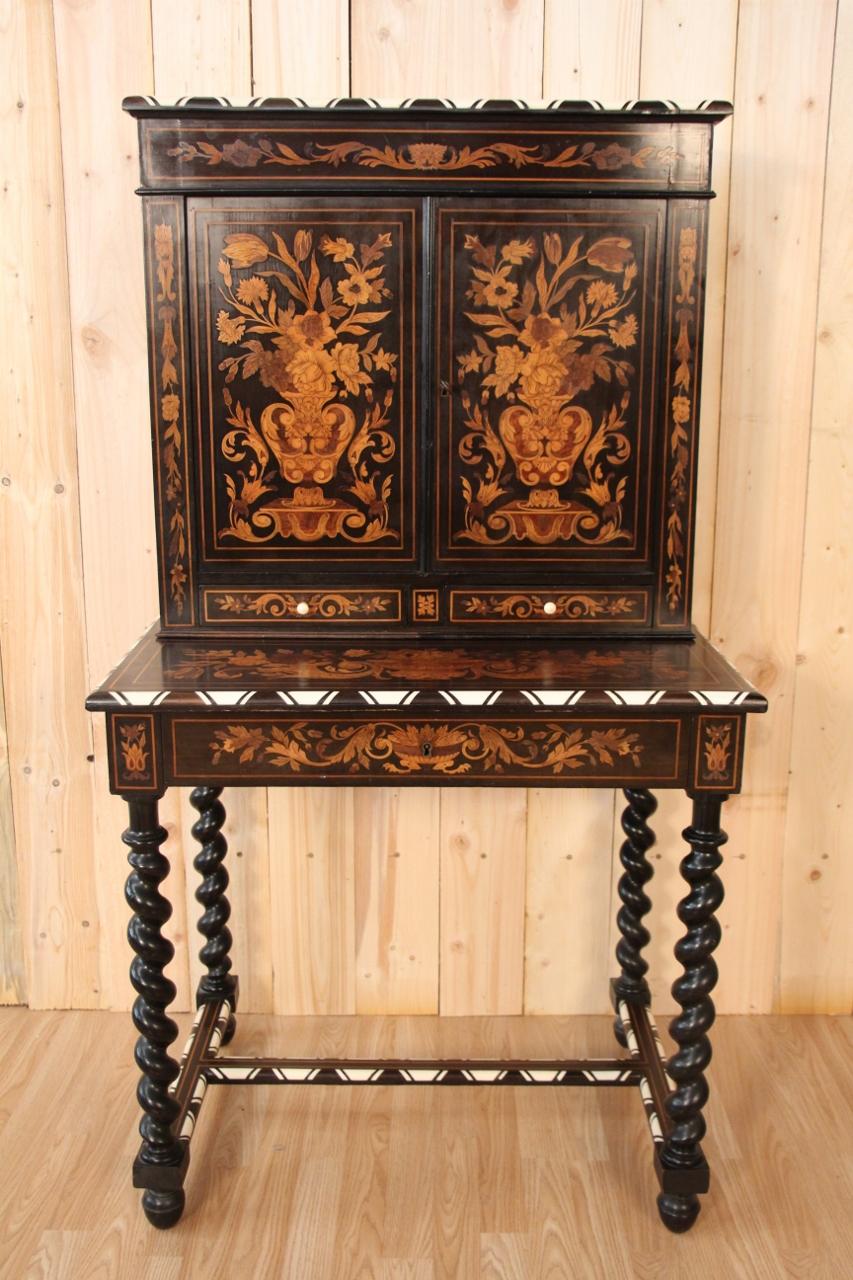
(547, 320)
(305, 321)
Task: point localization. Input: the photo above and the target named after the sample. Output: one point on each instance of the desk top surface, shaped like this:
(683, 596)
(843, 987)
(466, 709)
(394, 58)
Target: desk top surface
(269, 673)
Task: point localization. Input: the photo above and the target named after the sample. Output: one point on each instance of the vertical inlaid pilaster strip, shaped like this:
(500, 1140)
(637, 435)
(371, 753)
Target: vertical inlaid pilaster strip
(164, 244)
(682, 352)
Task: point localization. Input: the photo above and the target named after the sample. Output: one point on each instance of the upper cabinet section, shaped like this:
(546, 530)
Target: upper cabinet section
(425, 369)
(651, 147)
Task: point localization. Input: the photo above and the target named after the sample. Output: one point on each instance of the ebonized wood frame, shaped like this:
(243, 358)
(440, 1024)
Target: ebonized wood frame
(673, 1091)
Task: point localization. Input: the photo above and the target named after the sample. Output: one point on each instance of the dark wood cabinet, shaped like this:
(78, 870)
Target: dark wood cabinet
(425, 369)
(425, 399)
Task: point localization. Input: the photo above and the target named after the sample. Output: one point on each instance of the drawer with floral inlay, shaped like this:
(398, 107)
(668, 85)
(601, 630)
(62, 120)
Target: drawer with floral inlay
(241, 606)
(629, 607)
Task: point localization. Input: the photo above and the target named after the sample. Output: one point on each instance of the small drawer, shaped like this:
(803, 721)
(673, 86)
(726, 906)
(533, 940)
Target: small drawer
(595, 606)
(228, 605)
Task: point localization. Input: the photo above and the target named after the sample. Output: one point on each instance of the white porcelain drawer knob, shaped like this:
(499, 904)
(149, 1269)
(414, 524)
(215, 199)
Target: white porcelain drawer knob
(549, 607)
(302, 608)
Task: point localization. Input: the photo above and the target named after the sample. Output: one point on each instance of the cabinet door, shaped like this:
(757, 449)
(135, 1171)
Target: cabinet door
(304, 318)
(547, 324)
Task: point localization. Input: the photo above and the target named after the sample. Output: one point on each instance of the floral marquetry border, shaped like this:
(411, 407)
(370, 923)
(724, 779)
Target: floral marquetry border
(425, 155)
(448, 749)
(648, 154)
(683, 351)
(165, 256)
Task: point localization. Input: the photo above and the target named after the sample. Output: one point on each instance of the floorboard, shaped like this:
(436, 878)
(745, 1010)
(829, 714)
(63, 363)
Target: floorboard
(426, 1184)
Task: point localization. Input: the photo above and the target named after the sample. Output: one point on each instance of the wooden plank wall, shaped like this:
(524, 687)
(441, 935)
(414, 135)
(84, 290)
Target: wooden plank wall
(425, 900)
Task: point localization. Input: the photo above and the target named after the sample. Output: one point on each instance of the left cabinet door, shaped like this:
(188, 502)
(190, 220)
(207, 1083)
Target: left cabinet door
(304, 318)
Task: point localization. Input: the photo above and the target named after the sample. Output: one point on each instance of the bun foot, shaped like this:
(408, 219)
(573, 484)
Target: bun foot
(619, 1032)
(230, 1028)
(163, 1208)
(678, 1213)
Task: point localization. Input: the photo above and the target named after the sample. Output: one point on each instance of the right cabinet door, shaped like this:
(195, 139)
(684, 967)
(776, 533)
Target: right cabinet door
(548, 317)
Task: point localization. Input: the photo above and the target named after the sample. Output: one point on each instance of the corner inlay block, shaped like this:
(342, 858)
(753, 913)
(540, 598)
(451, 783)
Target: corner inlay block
(133, 753)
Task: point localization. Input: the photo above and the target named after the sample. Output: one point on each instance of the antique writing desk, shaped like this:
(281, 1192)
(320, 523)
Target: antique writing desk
(424, 396)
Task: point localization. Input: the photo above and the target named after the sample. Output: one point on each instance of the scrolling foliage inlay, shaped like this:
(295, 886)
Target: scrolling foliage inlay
(682, 418)
(546, 374)
(169, 413)
(306, 324)
(317, 604)
(425, 747)
(433, 154)
(573, 605)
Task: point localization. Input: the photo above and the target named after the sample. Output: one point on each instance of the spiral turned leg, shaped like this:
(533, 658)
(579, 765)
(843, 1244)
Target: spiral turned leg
(218, 983)
(161, 1162)
(692, 991)
(637, 871)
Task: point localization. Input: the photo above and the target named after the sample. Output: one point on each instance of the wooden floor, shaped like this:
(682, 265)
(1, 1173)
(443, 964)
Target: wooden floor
(421, 1183)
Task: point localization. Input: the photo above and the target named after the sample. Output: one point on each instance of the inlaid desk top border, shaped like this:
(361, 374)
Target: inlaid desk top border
(273, 674)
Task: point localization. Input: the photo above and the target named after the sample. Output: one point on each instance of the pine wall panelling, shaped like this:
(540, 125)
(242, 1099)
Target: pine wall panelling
(299, 50)
(420, 899)
(817, 870)
(782, 89)
(41, 587)
(592, 50)
(454, 48)
(13, 979)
